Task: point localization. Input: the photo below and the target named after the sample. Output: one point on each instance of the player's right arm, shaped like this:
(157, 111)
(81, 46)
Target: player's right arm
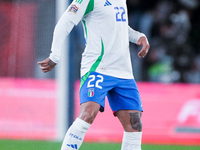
(46, 65)
(71, 17)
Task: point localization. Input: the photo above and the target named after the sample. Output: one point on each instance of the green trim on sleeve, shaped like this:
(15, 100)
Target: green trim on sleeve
(86, 35)
(90, 7)
(94, 66)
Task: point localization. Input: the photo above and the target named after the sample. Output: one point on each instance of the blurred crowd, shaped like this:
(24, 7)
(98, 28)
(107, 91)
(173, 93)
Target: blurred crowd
(173, 30)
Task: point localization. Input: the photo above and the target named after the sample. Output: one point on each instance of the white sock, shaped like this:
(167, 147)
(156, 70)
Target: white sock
(75, 135)
(131, 141)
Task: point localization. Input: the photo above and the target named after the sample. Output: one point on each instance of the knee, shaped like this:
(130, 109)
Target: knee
(88, 116)
(135, 121)
(88, 111)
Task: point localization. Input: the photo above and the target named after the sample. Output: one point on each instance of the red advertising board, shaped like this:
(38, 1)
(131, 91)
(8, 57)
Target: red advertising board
(171, 116)
(27, 109)
(171, 113)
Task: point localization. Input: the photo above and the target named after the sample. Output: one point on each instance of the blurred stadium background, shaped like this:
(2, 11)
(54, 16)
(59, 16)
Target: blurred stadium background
(168, 77)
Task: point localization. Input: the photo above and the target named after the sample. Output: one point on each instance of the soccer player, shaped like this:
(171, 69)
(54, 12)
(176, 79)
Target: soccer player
(105, 68)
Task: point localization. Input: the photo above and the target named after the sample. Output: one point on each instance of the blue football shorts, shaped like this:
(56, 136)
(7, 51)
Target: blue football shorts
(122, 94)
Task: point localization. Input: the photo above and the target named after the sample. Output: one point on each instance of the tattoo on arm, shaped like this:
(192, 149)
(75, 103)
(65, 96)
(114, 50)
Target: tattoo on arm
(51, 63)
(135, 121)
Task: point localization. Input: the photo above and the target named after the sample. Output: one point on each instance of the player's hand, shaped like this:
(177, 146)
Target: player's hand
(145, 46)
(46, 65)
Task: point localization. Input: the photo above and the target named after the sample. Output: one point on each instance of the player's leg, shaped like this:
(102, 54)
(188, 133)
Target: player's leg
(126, 104)
(132, 124)
(92, 98)
(130, 120)
(88, 111)
(75, 134)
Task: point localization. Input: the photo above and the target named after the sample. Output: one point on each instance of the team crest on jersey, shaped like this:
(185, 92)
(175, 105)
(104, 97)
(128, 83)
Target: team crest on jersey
(73, 9)
(91, 92)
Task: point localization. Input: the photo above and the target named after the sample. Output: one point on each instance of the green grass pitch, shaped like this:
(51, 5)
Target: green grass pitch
(49, 145)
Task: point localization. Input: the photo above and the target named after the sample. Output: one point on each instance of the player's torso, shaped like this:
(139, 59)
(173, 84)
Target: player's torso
(107, 16)
(111, 16)
(106, 29)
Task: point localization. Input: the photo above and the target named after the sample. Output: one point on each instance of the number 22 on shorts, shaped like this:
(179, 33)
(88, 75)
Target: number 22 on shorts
(96, 84)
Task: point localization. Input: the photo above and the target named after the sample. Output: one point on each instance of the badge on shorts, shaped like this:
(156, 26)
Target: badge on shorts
(91, 92)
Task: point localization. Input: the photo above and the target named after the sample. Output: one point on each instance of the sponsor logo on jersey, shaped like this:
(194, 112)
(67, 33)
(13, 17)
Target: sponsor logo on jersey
(74, 146)
(91, 92)
(78, 1)
(107, 3)
(73, 9)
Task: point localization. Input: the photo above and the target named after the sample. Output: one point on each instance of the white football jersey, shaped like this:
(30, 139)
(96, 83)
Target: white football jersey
(105, 24)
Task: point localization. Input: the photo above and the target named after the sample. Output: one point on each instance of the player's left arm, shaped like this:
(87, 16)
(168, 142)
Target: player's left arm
(145, 46)
(139, 39)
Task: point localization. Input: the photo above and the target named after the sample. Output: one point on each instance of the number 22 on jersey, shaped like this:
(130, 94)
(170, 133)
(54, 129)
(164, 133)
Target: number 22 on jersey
(120, 12)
